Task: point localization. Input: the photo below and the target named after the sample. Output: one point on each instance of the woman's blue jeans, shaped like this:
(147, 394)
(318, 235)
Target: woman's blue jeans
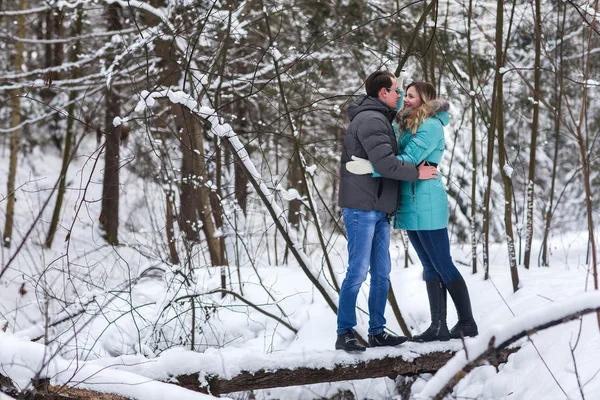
(368, 245)
(433, 249)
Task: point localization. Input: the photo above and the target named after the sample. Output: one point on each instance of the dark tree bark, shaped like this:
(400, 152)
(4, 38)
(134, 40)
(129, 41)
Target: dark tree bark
(110, 187)
(508, 194)
(558, 85)
(187, 209)
(473, 144)
(502, 161)
(390, 367)
(68, 141)
(584, 144)
(241, 187)
(16, 133)
(45, 391)
(196, 203)
(208, 215)
(169, 227)
(534, 133)
(295, 172)
(398, 314)
(241, 180)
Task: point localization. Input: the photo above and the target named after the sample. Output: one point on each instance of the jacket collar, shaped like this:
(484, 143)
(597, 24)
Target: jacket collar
(365, 103)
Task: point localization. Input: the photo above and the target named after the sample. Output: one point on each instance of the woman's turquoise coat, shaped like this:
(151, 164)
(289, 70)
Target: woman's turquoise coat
(423, 205)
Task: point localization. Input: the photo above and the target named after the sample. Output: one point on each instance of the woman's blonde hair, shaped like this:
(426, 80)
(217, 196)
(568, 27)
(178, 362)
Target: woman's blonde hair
(412, 118)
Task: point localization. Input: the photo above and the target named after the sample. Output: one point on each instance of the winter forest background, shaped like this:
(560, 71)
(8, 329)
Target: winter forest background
(169, 174)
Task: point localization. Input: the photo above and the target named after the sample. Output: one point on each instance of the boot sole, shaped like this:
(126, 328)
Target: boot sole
(458, 337)
(386, 345)
(434, 340)
(352, 351)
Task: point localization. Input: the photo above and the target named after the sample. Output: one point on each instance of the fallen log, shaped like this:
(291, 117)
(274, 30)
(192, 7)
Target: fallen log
(372, 368)
(223, 371)
(64, 393)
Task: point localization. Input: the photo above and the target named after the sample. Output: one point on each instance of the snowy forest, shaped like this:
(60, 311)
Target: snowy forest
(169, 174)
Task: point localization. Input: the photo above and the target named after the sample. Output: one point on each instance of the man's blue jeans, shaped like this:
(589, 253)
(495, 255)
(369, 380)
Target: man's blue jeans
(368, 244)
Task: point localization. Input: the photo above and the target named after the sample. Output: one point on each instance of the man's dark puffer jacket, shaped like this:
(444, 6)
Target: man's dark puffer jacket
(370, 135)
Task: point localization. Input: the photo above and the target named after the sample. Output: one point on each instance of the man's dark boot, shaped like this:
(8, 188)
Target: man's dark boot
(349, 343)
(466, 325)
(438, 330)
(386, 339)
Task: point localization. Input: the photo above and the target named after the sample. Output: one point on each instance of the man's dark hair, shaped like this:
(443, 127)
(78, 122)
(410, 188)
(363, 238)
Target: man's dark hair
(378, 80)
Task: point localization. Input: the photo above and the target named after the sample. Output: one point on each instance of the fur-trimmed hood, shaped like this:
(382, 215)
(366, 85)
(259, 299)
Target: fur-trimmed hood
(436, 107)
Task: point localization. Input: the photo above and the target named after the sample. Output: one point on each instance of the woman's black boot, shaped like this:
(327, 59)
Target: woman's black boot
(438, 330)
(466, 325)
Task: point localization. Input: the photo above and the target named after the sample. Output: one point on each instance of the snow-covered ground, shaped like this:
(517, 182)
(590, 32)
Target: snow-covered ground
(124, 329)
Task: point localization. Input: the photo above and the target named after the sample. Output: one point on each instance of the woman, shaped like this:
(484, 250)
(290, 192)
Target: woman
(423, 210)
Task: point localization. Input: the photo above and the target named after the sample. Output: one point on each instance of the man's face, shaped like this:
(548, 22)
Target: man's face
(389, 95)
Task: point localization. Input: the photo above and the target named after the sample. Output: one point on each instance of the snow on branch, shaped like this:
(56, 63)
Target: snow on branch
(68, 39)
(229, 370)
(225, 131)
(388, 366)
(488, 342)
(10, 13)
(22, 360)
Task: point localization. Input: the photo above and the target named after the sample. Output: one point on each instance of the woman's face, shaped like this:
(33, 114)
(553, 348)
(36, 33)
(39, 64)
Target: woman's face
(412, 98)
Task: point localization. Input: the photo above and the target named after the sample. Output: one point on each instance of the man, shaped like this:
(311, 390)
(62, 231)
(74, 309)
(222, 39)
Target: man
(367, 203)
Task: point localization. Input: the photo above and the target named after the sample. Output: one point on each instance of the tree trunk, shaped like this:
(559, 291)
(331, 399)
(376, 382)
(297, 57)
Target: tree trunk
(390, 367)
(215, 202)
(68, 142)
(584, 151)
(431, 46)
(397, 313)
(53, 56)
(196, 203)
(241, 188)
(473, 144)
(295, 172)
(205, 211)
(188, 217)
(110, 187)
(61, 392)
(557, 118)
(508, 193)
(502, 161)
(534, 133)
(15, 95)
(406, 245)
(241, 180)
(216, 196)
(169, 227)
(490, 149)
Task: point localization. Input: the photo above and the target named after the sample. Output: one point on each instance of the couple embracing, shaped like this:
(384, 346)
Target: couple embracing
(388, 174)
